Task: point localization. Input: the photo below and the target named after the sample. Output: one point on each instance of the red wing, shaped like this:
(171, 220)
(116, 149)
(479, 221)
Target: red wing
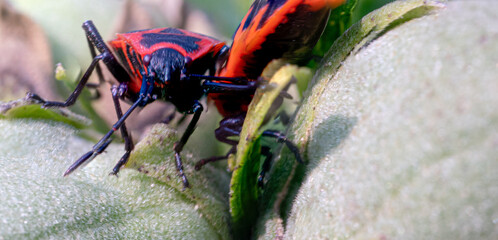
(131, 47)
(189, 44)
(278, 28)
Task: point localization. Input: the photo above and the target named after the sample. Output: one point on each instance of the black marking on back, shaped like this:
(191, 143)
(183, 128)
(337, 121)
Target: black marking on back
(272, 6)
(292, 40)
(122, 58)
(257, 6)
(172, 31)
(188, 43)
(134, 59)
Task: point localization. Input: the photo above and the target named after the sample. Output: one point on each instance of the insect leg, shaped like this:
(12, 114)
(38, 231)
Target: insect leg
(97, 69)
(205, 161)
(117, 92)
(233, 80)
(196, 110)
(229, 127)
(109, 59)
(265, 151)
(94, 40)
(218, 87)
(104, 141)
(280, 137)
(74, 95)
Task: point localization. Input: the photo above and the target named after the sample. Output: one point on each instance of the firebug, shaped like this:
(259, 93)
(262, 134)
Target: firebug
(165, 64)
(271, 29)
(169, 64)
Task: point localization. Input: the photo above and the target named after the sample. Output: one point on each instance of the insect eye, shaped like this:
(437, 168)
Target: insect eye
(188, 60)
(146, 60)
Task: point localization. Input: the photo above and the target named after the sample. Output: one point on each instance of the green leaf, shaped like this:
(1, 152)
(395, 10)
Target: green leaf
(399, 130)
(244, 192)
(27, 108)
(339, 21)
(84, 102)
(37, 202)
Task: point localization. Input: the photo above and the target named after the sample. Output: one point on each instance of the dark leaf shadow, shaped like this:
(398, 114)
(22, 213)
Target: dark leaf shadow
(328, 136)
(287, 176)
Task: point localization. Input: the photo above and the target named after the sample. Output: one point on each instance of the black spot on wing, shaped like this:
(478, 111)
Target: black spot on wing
(135, 61)
(292, 40)
(272, 6)
(172, 31)
(122, 57)
(188, 43)
(257, 6)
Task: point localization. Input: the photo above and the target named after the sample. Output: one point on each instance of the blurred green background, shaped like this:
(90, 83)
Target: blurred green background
(227, 14)
(58, 18)
(59, 23)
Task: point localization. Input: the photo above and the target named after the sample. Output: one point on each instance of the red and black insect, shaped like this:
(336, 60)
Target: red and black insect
(168, 64)
(272, 29)
(165, 64)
